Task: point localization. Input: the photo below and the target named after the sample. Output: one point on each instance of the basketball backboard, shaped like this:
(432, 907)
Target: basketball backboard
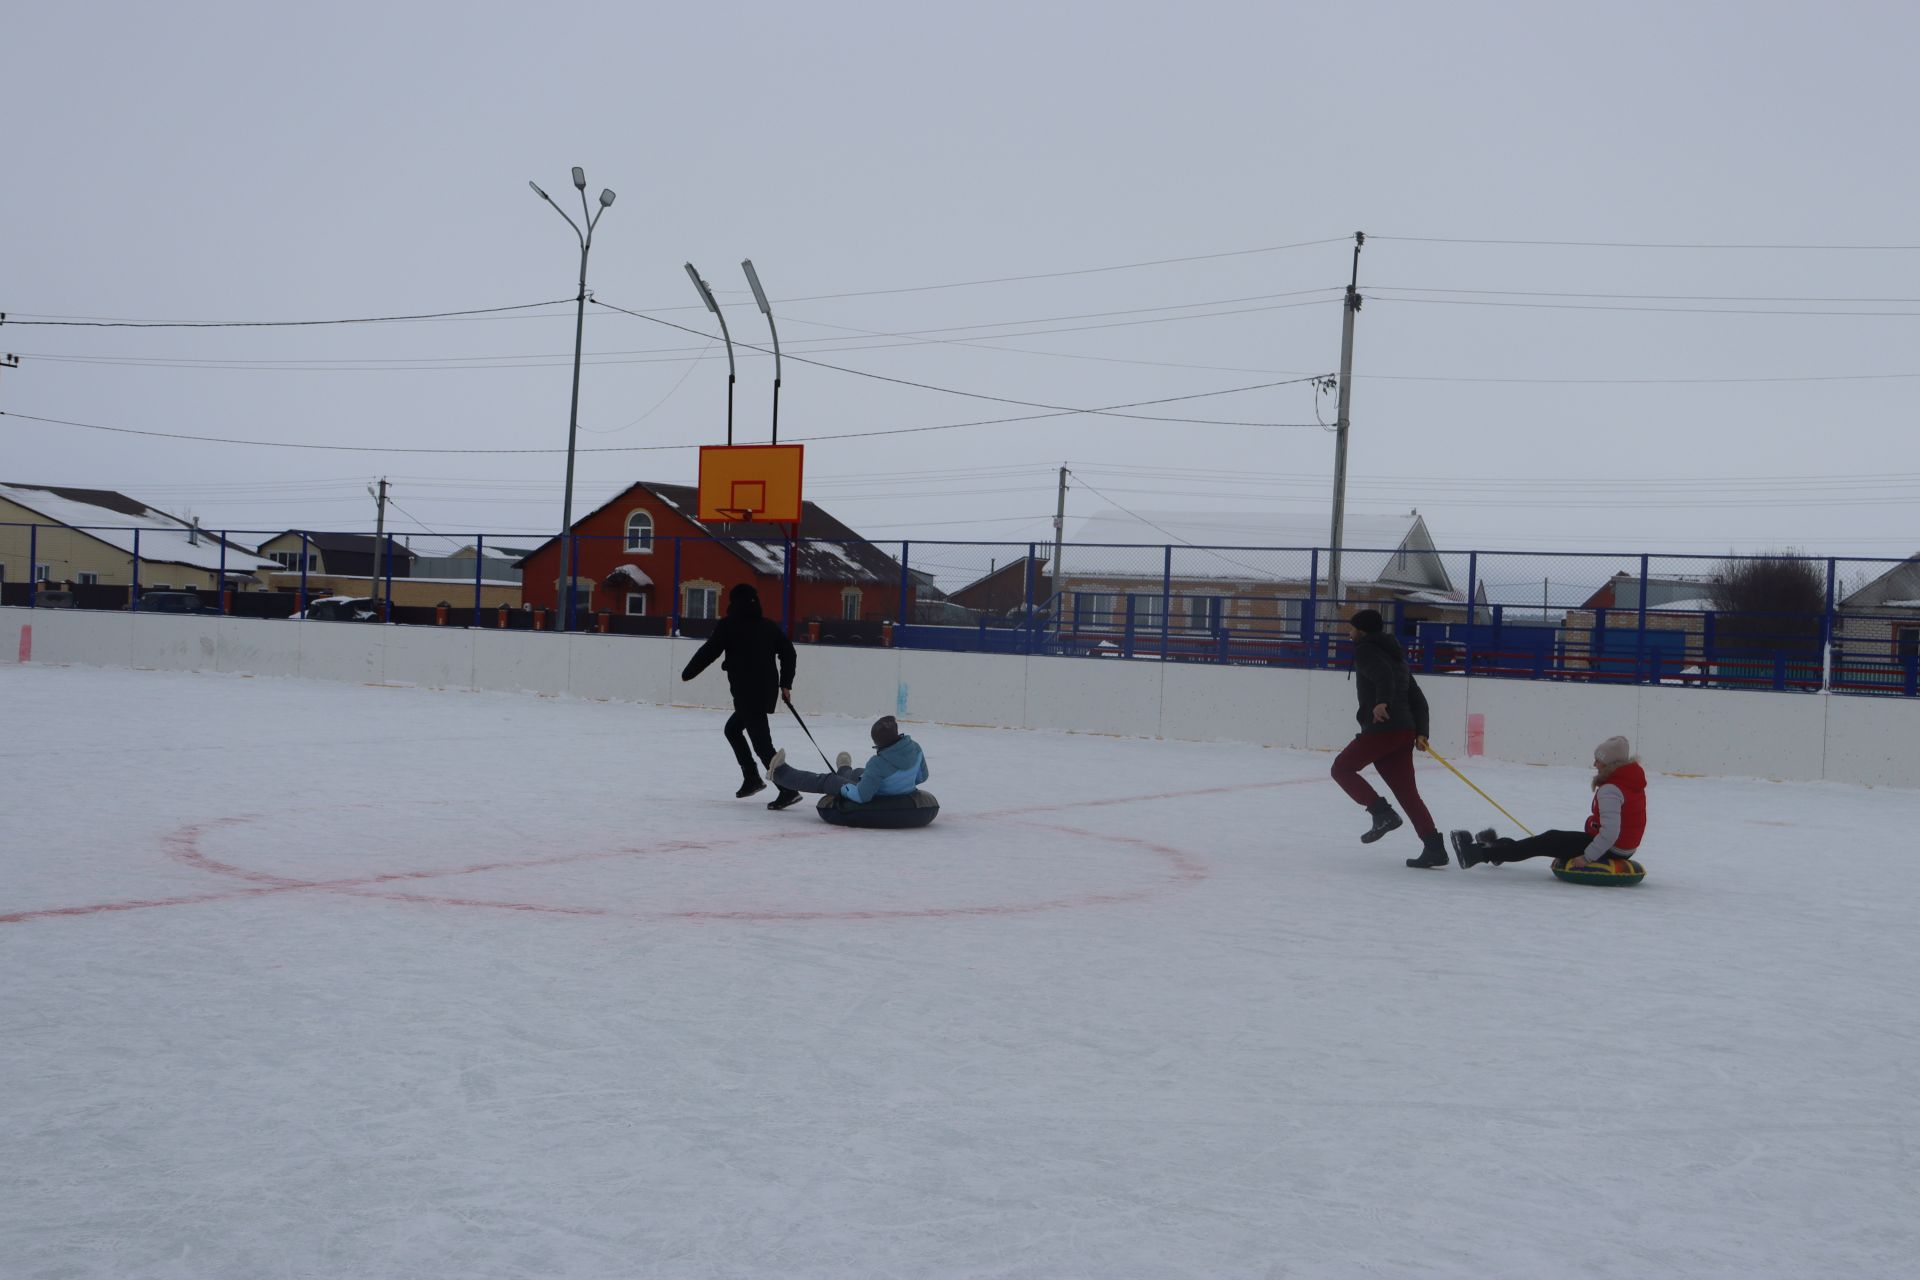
(751, 482)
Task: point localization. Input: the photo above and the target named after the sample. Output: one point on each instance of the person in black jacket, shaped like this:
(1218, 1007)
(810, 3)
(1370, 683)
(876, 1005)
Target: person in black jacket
(753, 644)
(1393, 720)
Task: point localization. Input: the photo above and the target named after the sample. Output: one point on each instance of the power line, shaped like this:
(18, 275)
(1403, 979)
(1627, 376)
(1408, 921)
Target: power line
(277, 324)
(1639, 244)
(1027, 404)
(1057, 275)
(1643, 297)
(1666, 311)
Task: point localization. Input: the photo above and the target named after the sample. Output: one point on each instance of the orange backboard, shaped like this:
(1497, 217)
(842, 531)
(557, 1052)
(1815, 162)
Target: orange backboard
(751, 482)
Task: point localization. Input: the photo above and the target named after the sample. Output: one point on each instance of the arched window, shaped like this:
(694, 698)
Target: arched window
(640, 532)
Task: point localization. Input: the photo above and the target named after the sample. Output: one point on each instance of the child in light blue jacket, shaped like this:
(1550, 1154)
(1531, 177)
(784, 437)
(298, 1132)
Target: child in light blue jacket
(898, 766)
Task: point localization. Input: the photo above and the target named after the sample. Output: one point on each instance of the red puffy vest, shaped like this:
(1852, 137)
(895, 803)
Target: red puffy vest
(1632, 781)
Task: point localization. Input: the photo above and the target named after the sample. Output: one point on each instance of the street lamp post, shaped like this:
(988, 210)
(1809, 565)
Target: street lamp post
(706, 296)
(590, 218)
(760, 296)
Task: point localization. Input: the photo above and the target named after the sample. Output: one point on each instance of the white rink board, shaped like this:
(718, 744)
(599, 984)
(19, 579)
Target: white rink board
(1676, 730)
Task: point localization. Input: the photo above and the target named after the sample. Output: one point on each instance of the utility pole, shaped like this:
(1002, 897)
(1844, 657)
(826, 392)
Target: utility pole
(1351, 310)
(1059, 583)
(379, 533)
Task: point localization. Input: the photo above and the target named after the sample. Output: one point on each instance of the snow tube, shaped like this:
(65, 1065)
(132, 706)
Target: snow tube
(1608, 871)
(916, 809)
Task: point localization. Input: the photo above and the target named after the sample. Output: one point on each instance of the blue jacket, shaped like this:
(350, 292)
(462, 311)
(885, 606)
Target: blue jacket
(895, 770)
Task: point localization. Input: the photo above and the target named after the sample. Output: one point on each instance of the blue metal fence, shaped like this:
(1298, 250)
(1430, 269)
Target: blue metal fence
(1628, 618)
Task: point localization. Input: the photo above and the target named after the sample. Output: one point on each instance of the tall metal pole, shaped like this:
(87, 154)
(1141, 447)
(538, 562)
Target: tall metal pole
(760, 297)
(706, 296)
(591, 218)
(1059, 584)
(379, 536)
(1341, 420)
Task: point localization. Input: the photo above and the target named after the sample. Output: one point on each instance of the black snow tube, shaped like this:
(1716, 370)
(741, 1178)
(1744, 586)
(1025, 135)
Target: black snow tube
(916, 809)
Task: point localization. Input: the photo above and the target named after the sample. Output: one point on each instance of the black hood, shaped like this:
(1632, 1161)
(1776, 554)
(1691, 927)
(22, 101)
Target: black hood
(1384, 640)
(743, 602)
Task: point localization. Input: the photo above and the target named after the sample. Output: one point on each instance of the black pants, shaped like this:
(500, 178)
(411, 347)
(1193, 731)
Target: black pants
(749, 723)
(1548, 844)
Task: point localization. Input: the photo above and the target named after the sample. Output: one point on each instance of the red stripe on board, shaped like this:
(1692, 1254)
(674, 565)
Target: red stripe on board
(26, 643)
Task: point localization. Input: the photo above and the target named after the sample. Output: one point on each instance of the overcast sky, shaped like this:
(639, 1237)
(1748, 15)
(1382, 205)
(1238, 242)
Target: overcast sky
(278, 162)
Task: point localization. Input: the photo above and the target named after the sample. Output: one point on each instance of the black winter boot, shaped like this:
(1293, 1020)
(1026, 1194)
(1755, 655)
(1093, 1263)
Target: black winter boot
(1433, 852)
(748, 786)
(1384, 820)
(785, 797)
(1465, 851)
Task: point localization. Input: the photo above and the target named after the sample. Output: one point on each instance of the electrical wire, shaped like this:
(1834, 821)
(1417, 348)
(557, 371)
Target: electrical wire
(1636, 244)
(1667, 311)
(977, 395)
(276, 324)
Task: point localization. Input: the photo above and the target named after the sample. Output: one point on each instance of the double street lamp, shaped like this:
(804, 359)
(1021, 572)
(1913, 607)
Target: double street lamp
(590, 217)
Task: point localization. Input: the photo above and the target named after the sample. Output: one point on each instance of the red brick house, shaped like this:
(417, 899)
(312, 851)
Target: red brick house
(644, 553)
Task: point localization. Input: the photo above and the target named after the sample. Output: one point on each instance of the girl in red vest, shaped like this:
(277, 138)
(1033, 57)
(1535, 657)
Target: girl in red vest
(1614, 828)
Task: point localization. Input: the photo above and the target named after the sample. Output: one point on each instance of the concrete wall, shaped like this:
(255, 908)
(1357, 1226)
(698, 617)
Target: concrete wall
(1875, 741)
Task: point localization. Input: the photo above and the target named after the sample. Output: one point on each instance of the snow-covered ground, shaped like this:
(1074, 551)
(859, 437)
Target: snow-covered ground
(310, 980)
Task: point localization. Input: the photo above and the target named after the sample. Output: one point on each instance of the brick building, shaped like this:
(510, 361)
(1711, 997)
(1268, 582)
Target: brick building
(644, 552)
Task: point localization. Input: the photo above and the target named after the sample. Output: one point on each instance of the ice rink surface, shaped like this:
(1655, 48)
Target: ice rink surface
(311, 980)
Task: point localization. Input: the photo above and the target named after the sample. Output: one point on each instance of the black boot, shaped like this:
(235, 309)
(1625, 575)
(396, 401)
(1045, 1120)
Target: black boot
(786, 796)
(1486, 837)
(1384, 820)
(1465, 851)
(1433, 852)
(748, 786)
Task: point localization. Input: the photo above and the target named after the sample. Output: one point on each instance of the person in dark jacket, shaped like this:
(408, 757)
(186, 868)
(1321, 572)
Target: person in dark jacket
(759, 666)
(1393, 720)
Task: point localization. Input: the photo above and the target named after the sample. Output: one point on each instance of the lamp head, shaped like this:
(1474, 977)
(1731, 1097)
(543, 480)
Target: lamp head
(579, 177)
(537, 191)
(753, 279)
(700, 287)
(606, 196)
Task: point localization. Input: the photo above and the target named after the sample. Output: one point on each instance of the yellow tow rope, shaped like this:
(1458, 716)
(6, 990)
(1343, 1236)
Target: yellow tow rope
(1428, 748)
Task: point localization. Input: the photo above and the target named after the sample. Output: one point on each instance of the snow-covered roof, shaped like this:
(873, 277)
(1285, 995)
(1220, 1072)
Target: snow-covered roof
(1251, 547)
(632, 573)
(112, 518)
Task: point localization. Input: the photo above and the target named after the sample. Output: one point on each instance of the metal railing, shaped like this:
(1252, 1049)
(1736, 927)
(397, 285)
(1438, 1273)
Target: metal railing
(1847, 625)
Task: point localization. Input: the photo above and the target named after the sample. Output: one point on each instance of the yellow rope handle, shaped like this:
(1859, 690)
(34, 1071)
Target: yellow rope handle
(1428, 748)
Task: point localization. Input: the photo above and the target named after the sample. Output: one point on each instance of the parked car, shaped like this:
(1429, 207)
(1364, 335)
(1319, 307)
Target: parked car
(342, 609)
(173, 602)
(942, 613)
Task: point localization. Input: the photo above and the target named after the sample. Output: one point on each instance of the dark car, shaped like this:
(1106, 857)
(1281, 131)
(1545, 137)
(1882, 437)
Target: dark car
(173, 602)
(54, 598)
(343, 609)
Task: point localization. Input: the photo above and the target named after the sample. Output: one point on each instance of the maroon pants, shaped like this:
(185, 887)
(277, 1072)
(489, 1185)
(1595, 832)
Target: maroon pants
(1391, 755)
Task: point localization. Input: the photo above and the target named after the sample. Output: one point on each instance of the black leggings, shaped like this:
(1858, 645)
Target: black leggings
(749, 724)
(1548, 844)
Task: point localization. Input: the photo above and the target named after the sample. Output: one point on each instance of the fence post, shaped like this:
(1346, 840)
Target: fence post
(303, 574)
(1826, 631)
(901, 613)
(570, 615)
(33, 569)
(1032, 573)
(1640, 638)
(220, 583)
(1309, 617)
(1166, 602)
(133, 592)
(1473, 612)
(479, 564)
(674, 618)
(786, 588)
(1126, 633)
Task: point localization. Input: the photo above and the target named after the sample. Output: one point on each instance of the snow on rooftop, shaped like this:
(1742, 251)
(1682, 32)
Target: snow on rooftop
(164, 539)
